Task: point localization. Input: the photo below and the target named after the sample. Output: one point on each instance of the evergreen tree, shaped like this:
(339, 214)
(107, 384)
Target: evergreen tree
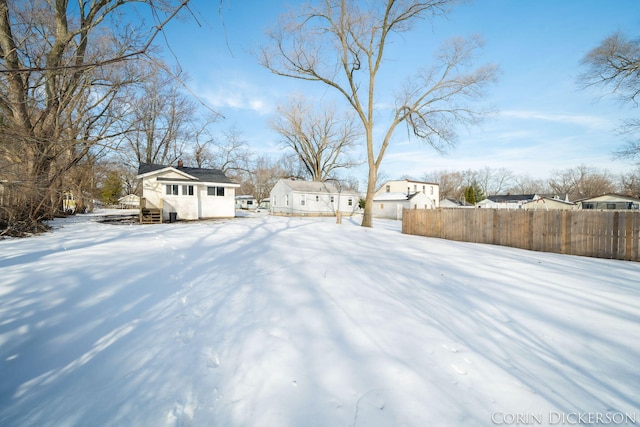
(111, 188)
(473, 194)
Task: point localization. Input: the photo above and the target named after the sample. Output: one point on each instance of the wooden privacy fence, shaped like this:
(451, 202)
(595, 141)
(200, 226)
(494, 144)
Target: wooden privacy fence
(600, 234)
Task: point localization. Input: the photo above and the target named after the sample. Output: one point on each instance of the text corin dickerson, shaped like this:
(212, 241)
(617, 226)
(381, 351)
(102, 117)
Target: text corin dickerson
(564, 418)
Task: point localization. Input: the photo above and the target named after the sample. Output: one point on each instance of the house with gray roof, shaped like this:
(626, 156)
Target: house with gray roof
(188, 193)
(311, 198)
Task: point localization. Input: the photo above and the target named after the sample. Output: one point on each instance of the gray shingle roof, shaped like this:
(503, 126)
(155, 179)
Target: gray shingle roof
(314, 187)
(201, 174)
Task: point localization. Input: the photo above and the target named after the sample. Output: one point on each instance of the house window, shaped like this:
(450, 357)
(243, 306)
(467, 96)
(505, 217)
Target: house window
(415, 188)
(172, 190)
(611, 205)
(331, 199)
(317, 198)
(286, 200)
(187, 190)
(388, 188)
(215, 191)
(302, 200)
(350, 201)
(431, 190)
(588, 206)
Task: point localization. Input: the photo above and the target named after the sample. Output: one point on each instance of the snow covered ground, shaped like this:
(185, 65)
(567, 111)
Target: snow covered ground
(266, 321)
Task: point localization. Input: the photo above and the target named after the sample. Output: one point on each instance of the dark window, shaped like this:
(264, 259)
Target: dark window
(187, 190)
(215, 191)
(350, 201)
(219, 191)
(172, 190)
(611, 205)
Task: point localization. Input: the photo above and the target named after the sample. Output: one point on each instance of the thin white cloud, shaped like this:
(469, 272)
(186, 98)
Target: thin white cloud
(239, 95)
(576, 119)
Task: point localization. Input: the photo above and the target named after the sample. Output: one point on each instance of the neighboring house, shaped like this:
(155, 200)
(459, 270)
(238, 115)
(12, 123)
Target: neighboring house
(548, 204)
(246, 202)
(407, 186)
(390, 205)
(187, 193)
(393, 196)
(291, 197)
(265, 204)
(506, 201)
(130, 201)
(610, 201)
(453, 203)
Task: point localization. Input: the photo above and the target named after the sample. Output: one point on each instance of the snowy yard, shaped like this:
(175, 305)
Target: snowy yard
(287, 322)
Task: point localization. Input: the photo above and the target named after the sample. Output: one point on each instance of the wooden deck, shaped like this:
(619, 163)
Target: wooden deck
(150, 216)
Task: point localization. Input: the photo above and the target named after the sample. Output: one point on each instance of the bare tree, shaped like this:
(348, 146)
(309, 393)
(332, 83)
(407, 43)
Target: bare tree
(263, 176)
(615, 65)
(527, 185)
(342, 45)
(320, 139)
(62, 69)
(582, 182)
(231, 154)
(158, 125)
(493, 181)
(451, 183)
(630, 183)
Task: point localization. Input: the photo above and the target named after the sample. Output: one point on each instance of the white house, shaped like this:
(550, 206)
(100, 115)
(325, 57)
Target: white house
(390, 205)
(393, 196)
(130, 201)
(187, 193)
(247, 202)
(506, 201)
(291, 197)
(454, 203)
(548, 204)
(526, 201)
(611, 201)
(408, 186)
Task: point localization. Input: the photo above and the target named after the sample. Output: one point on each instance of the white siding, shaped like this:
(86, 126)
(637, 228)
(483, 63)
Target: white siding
(285, 201)
(188, 207)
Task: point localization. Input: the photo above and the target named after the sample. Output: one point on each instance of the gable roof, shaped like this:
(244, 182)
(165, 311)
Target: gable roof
(457, 202)
(314, 187)
(610, 197)
(194, 174)
(510, 198)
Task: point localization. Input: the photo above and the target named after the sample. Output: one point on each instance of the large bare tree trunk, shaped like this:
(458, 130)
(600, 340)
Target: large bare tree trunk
(341, 44)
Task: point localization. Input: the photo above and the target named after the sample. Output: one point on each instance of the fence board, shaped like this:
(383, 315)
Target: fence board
(602, 234)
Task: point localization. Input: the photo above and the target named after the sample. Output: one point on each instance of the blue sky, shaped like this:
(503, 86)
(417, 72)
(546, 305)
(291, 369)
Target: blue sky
(544, 121)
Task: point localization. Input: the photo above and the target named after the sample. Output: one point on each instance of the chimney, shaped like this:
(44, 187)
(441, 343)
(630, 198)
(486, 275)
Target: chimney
(180, 163)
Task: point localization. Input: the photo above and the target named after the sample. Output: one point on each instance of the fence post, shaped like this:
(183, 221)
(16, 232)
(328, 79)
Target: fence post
(615, 237)
(630, 235)
(564, 232)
